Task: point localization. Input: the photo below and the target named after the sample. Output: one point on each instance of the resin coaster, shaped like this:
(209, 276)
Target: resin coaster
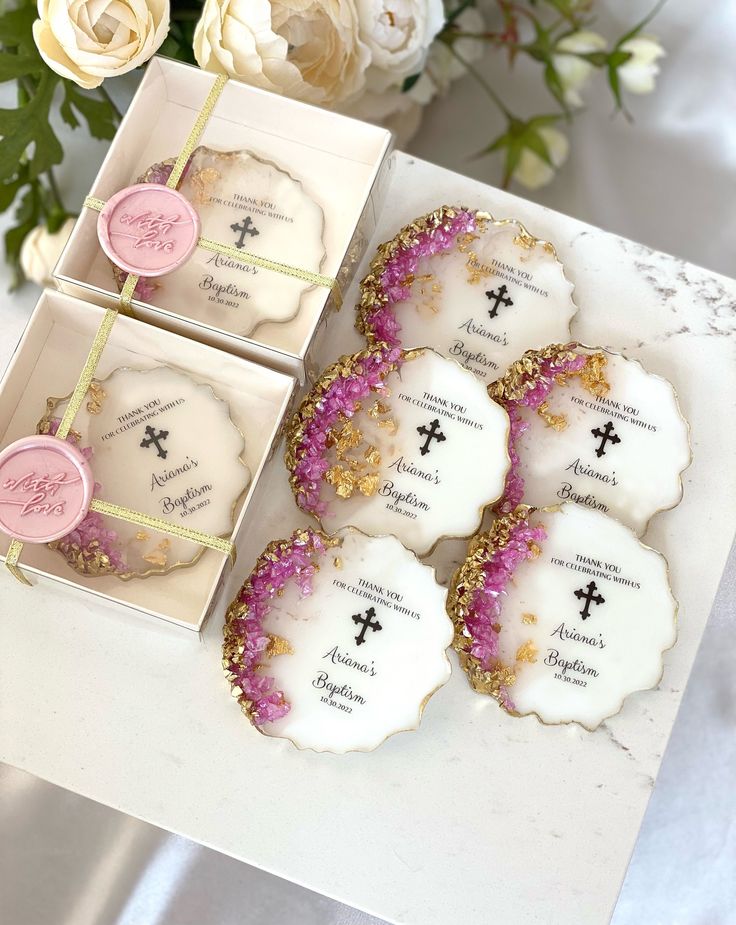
(562, 613)
(161, 444)
(337, 642)
(406, 443)
(253, 205)
(590, 426)
(477, 290)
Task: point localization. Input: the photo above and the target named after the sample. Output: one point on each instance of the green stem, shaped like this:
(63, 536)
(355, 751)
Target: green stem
(471, 69)
(491, 37)
(55, 193)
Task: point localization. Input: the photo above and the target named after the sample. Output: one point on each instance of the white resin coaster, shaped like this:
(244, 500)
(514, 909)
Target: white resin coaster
(337, 642)
(477, 290)
(562, 613)
(254, 206)
(161, 444)
(408, 444)
(591, 426)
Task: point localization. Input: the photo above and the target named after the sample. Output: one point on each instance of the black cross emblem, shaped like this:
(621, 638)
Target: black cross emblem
(245, 227)
(606, 436)
(431, 432)
(153, 438)
(499, 299)
(590, 597)
(367, 622)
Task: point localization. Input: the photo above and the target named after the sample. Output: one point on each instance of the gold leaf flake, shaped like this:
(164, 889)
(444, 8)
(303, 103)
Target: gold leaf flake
(277, 645)
(527, 652)
(96, 397)
(368, 484)
(556, 421)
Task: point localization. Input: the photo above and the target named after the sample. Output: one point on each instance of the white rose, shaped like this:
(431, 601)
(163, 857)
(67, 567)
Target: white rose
(305, 49)
(572, 70)
(89, 40)
(638, 73)
(443, 66)
(398, 34)
(533, 171)
(40, 252)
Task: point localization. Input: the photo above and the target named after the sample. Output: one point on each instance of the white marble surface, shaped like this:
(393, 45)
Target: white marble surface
(514, 811)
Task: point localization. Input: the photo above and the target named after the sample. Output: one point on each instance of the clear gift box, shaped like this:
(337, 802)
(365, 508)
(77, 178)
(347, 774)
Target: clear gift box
(301, 153)
(47, 363)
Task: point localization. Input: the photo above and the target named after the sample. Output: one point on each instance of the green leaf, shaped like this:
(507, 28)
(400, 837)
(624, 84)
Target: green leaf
(9, 190)
(554, 85)
(27, 216)
(615, 85)
(29, 126)
(521, 136)
(596, 58)
(635, 30)
(16, 29)
(99, 115)
(409, 82)
(14, 66)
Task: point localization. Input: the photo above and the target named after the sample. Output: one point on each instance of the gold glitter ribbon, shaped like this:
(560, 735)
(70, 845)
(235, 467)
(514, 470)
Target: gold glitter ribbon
(245, 257)
(226, 250)
(164, 526)
(129, 515)
(218, 543)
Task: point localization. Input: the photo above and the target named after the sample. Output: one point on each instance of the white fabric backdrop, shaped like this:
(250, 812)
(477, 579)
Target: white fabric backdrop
(667, 181)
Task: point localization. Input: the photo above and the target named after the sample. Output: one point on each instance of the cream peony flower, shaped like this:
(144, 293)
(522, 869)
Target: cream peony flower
(572, 70)
(89, 40)
(306, 49)
(442, 65)
(532, 171)
(638, 73)
(398, 34)
(40, 252)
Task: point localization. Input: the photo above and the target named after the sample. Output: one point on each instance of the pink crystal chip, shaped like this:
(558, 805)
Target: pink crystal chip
(148, 229)
(46, 487)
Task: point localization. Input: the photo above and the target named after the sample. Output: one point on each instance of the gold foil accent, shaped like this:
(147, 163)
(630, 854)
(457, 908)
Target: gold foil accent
(527, 652)
(523, 375)
(350, 472)
(467, 580)
(96, 395)
(528, 618)
(277, 645)
(527, 241)
(202, 180)
(592, 376)
(556, 421)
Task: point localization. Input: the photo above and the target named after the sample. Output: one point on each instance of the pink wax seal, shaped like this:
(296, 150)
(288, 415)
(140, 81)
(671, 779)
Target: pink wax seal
(46, 488)
(148, 229)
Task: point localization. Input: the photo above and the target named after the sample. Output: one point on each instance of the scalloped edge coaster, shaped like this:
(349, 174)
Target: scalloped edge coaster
(262, 210)
(592, 426)
(400, 442)
(337, 642)
(562, 613)
(476, 289)
(161, 443)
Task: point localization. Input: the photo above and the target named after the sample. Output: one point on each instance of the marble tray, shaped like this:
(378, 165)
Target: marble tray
(477, 813)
